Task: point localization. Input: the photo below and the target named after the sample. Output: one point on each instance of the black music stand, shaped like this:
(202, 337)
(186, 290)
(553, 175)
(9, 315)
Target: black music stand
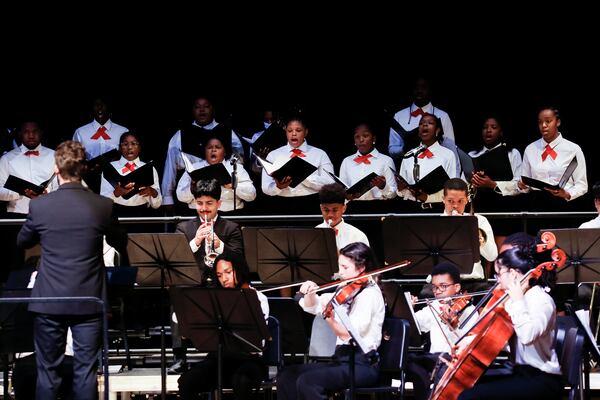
(289, 255)
(398, 307)
(16, 330)
(218, 319)
(291, 319)
(163, 259)
(582, 247)
(426, 241)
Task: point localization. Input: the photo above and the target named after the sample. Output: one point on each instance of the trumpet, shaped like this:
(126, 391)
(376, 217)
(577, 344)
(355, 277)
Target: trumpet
(211, 254)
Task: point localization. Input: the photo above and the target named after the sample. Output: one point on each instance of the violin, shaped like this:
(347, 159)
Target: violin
(452, 315)
(345, 295)
(491, 333)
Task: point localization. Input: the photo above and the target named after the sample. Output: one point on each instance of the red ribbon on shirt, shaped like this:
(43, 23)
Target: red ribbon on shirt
(363, 159)
(128, 167)
(427, 153)
(32, 153)
(100, 133)
(548, 151)
(297, 153)
(417, 112)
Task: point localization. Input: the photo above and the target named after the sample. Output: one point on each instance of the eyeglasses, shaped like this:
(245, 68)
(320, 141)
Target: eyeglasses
(441, 288)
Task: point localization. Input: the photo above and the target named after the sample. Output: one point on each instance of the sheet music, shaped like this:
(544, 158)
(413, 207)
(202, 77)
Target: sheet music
(269, 168)
(187, 163)
(584, 316)
(408, 298)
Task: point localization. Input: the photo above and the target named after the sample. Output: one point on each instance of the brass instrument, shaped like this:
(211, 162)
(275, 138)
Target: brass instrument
(471, 196)
(211, 254)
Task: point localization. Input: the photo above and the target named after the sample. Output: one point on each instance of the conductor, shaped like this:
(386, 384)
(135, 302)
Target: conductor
(70, 224)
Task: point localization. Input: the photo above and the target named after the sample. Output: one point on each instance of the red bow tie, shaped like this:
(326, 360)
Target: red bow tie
(128, 167)
(100, 133)
(32, 153)
(363, 159)
(548, 151)
(417, 112)
(427, 153)
(297, 153)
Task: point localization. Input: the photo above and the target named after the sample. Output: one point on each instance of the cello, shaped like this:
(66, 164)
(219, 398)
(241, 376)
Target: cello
(492, 331)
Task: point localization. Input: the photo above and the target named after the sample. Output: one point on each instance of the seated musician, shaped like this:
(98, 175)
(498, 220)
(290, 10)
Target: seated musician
(437, 319)
(455, 201)
(242, 372)
(366, 312)
(333, 206)
(536, 374)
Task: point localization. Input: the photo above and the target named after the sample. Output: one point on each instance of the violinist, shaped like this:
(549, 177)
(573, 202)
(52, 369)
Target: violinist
(241, 371)
(536, 374)
(437, 319)
(366, 310)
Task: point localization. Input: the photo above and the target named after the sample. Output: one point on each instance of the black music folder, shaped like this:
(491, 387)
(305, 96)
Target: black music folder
(495, 164)
(359, 188)
(431, 183)
(535, 183)
(20, 185)
(214, 171)
(272, 138)
(103, 159)
(141, 177)
(296, 167)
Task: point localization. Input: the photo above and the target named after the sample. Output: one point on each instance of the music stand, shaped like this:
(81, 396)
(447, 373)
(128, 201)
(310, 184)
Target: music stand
(16, 330)
(291, 319)
(426, 241)
(289, 255)
(163, 259)
(582, 247)
(220, 319)
(399, 307)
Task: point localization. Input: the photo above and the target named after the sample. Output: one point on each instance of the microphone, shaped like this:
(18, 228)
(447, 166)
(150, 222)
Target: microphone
(416, 151)
(234, 158)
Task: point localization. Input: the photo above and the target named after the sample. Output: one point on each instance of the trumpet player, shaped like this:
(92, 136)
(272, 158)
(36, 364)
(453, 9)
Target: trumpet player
(208, 236)
(455, 201)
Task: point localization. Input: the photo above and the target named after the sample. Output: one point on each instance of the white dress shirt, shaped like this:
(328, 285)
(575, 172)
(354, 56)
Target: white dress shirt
(408, 122)
(440, 332)
(35, 169)
(107, 190)
(310, 185)
(550, 170)
(489, 250)
(441, 156)
(346, 234)
(352, 172)
(505, 188)
(174, 161)
(594, 223)
(245, 189)
(366, 314)
(534, 321)
(95, 147)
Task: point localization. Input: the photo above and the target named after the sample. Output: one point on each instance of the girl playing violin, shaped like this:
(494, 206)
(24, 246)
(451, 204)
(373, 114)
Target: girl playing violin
(366, 311)
(536, 374)
(436, 319)
(241, 371)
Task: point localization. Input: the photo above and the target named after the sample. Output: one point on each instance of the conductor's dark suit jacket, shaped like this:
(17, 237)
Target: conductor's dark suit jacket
(70, 224)
(229, 232)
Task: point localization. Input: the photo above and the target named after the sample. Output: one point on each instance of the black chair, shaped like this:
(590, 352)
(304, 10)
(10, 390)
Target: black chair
(272, 356)
(392, 362)
(570, 347)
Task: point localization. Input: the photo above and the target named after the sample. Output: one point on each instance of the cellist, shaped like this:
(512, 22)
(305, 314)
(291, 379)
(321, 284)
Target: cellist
(366, 312)
(536, 373)
(445, 282)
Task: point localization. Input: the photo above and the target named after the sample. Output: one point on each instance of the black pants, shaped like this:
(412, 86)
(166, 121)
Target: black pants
(313, 381)
(525, 383)
(50, 336)
(418, 371)
(242, 374)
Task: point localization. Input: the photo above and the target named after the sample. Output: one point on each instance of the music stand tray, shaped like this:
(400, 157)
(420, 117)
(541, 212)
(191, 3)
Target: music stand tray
(169, 252)
(288, 255)
(582, 247)
(427, 241)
